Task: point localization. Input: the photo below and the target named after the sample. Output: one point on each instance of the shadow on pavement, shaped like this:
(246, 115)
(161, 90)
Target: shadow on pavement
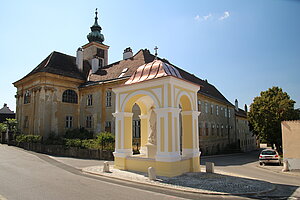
(232, 159)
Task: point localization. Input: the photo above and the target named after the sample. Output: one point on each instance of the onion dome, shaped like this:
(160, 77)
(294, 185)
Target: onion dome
(95, 35)
(153, 70)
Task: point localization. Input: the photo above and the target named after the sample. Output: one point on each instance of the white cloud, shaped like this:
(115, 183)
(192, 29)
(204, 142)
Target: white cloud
(207, 16)
(203, 18)
(226, 15)
(197, 18)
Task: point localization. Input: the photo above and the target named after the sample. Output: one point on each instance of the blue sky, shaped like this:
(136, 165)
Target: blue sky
(241, 47)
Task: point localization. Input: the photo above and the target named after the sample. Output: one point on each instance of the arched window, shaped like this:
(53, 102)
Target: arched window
(70, 96)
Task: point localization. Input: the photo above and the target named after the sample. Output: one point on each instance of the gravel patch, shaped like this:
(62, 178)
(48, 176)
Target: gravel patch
(200, 182)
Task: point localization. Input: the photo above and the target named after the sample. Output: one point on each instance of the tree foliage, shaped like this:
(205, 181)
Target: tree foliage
(268, 111)
(11, 125)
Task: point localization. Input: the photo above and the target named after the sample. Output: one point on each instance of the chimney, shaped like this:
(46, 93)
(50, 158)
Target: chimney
(127, 53)
(236, 105)
(95, 64)
(79, 59)
(246, 108)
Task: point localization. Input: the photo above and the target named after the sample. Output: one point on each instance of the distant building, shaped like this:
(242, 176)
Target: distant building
(246, 140)
(5, 113)
(65, 92)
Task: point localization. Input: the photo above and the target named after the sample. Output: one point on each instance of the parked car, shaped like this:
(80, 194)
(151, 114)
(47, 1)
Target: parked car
(269, 156)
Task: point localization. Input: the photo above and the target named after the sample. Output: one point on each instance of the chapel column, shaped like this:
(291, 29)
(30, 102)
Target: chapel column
(123, 138)
(190, 138)
(167, 121)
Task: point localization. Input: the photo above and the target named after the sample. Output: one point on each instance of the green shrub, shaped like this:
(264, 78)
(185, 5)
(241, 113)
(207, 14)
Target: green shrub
(11, 125)
(28, 138)
(90, 144)
(73, 143)
(79, 133)
(106, 140)
(3, 127)
(54, 139)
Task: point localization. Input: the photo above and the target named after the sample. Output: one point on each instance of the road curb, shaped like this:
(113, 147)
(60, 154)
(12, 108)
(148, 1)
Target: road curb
(279, 172)
(187, 190)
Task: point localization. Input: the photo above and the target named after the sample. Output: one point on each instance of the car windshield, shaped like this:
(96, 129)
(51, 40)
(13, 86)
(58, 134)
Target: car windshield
(268, 153)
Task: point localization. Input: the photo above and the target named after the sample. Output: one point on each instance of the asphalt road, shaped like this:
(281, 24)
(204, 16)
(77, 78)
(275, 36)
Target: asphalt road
(29, 176)
(247, 165)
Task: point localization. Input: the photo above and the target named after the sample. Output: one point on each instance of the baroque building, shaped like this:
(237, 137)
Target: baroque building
(65, 92)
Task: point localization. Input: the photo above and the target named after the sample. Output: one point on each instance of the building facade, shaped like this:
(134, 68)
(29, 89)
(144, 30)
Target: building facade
(65, 92)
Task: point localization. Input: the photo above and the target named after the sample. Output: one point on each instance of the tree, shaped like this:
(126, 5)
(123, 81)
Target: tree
(268, 111)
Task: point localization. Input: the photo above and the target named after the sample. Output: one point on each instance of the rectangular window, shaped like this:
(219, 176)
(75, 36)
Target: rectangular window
(69, 121)
(212, 129)
(206, 129)
(222, 130)
(218, 130)
(136, 128)
(199, 105)
(229, 113)
(217, 110)
(27, 97)
(89, 121)
(108, 126)
(89, 101)
(206, 108)
(211, 109)
(26, 122)
(200, 128)
(108, 98)
(225, 112)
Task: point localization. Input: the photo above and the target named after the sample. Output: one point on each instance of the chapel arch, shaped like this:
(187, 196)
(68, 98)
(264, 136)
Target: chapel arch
(187, 123)
(147, 122)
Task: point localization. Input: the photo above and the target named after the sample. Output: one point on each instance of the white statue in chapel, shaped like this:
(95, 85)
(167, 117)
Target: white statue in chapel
(152, 131)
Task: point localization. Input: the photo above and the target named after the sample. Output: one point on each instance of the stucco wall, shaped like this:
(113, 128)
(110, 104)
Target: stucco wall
(291, 139)
(291, 142)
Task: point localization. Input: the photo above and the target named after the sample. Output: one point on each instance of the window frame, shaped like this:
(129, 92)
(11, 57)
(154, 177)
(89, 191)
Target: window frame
(89, 121)
(69, 121)
(70, 96)
(89, 100)
(108, 102)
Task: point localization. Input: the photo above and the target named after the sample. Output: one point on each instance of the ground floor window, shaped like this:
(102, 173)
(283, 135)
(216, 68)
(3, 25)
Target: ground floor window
(108, 126)
(136, 128)
(69, 121)
(89, 121)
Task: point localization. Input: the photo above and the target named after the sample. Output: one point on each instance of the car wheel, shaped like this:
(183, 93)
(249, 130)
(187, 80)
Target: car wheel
(260, 163)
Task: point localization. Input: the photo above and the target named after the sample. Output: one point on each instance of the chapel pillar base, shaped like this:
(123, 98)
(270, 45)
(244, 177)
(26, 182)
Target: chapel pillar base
(150, 150)
(168, 169)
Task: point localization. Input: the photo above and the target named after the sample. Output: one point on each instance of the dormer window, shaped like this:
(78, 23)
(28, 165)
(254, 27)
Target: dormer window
(123, 72)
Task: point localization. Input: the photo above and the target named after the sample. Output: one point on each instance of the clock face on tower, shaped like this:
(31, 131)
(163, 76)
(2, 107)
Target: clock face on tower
(100, 53)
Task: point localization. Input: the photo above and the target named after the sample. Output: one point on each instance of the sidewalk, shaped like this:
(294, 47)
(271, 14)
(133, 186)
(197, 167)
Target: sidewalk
(278, 169)
(219, 183)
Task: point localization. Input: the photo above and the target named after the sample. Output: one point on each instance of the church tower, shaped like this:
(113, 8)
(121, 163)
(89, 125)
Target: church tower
(95, 51)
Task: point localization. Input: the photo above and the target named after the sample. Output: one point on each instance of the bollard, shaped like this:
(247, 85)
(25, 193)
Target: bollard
(106, 167)
(285, 166)
(151, 173)
(210, 167)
